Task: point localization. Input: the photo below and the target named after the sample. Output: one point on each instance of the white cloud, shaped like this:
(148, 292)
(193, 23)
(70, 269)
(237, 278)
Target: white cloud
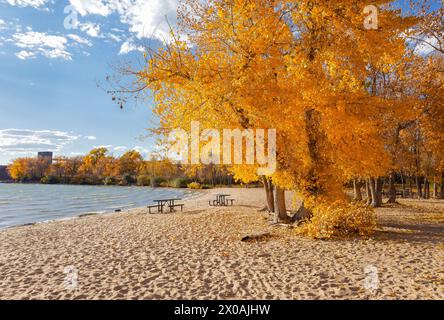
(2, 24)
(129, 46)
(23, 55)
(27, 3)
(34, 43)
(91, 29)
(145, 18)
(23, 141)
(117, 30)
(114, 37)
(85, 7)
(90, 138)
(426, 46)
(79, 39)
(120, 148)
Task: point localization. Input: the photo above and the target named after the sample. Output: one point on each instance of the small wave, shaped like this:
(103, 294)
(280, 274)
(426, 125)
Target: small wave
(87, 214)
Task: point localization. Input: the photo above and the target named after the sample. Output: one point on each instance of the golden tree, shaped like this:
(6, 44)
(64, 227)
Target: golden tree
(18, 170)
(306, 69)
(130, 163)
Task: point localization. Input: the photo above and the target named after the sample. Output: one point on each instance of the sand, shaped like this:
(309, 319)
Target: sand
(198, 255)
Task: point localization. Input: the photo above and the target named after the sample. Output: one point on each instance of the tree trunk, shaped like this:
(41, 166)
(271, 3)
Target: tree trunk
(441, 194)
(419, 187)
(435, 187)
(302, 214)
(426, 188)
(379, 186)
(411, 187)
(368, 191)
(268, 186)
(372, 199)
(392, 188)
(376, 192)
(280, 206)
(357, 190)
(403, 185)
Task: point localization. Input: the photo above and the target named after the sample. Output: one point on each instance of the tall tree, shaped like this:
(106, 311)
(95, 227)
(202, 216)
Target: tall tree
(305, 69)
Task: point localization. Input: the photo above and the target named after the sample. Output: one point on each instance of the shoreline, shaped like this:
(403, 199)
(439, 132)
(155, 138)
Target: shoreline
(104, 212)
(198, 254)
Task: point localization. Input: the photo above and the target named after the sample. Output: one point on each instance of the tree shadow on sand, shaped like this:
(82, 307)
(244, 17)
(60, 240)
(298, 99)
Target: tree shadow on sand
(411, 222)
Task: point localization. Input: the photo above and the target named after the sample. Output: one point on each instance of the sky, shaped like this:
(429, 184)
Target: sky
(53, 54)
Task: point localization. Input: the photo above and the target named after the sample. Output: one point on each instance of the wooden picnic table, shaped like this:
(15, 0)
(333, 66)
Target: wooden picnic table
(221, 199)
(167, 202)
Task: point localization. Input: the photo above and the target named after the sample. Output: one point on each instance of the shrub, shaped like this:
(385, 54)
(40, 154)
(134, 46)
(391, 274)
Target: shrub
(86, 180)
(128, 179)
(157, 182)
(164, 184)
(180, 183)
(110, 181)
(25, 179)
(194, 185)
(143, 181)
(50, 179)
(340, 219)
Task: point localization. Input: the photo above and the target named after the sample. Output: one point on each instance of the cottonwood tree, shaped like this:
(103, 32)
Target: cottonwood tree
(308, 69)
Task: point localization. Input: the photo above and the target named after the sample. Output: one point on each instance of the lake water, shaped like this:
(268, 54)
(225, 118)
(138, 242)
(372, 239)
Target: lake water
(29, 203)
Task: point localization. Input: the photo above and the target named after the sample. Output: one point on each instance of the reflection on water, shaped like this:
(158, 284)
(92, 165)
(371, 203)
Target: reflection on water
(29, 203)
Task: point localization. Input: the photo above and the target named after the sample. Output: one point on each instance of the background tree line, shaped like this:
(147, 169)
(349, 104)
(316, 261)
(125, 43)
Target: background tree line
(99, 167)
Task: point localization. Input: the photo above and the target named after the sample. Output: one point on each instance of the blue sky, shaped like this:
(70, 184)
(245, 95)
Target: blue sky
(52, 55)
(49, 99)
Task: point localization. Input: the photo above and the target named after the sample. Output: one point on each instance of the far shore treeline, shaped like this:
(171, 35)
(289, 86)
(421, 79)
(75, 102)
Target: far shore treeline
(99, 167)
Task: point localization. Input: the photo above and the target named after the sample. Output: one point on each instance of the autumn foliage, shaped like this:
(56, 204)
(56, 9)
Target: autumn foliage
(99, 167)
(348, 103)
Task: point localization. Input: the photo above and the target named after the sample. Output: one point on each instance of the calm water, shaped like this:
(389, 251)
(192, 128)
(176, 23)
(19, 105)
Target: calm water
(28, 203)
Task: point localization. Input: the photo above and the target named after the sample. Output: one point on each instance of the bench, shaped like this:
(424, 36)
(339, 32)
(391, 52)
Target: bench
(231, 200)
(152, 207)
(217, 203)
(170, 203)
(176, 205)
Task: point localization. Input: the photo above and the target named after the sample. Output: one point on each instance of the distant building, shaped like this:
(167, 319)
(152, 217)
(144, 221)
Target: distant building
(4, 175)
(47, 155)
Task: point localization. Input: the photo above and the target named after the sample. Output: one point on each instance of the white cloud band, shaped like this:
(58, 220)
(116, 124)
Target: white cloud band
(22, 141)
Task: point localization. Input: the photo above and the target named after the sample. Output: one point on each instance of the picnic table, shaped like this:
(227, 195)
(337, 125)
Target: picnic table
(170, 203)
(221, 200)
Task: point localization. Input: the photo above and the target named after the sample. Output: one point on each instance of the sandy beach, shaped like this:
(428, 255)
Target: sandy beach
(198, 254)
